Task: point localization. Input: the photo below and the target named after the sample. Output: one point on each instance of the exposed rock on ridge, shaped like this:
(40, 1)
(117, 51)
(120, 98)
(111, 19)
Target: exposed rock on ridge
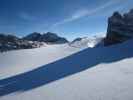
(120, 28)
(48, 37)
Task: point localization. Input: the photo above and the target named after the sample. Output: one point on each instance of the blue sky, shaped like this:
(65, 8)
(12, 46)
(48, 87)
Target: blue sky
(68, 18)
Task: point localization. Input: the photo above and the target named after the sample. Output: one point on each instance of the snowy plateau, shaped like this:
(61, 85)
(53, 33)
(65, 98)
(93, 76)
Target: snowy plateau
(66, 72)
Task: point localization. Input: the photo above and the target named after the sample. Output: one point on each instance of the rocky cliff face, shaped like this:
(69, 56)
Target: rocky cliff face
(120, 28)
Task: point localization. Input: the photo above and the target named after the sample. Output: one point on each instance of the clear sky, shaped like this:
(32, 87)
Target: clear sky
(68, 18)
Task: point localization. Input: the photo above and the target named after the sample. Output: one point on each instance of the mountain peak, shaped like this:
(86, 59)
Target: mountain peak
(120, 28)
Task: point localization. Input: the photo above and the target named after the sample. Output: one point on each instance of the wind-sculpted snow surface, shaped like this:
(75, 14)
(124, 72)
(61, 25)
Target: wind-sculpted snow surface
(103, 73)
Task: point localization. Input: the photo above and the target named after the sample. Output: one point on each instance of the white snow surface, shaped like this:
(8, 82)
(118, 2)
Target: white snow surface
(86, 42)
(61, 72)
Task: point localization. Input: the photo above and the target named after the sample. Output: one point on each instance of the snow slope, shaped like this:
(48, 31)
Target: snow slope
(60, 72)
(20, 61)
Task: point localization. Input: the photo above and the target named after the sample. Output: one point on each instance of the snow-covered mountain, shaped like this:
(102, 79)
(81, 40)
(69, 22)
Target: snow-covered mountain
(63, 72)
(86, 42)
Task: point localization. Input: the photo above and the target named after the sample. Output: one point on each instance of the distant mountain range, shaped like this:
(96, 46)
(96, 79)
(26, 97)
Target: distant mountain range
(120, 29)
(49, 37)
(33, 40)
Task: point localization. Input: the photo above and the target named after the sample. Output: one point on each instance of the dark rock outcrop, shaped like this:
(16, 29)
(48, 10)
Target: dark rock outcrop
(53, 38)
(33, 36)
(10, 42)
(120, 28)
(34, 40)
(48, 37)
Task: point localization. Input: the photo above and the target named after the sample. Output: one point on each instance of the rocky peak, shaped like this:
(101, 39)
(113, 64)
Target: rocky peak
(35, 36)
(49, 37)
(120, 28)
(52, 38)
(117, 15)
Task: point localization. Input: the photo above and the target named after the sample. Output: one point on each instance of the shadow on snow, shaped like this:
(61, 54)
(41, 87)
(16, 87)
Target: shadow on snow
(72, 64)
